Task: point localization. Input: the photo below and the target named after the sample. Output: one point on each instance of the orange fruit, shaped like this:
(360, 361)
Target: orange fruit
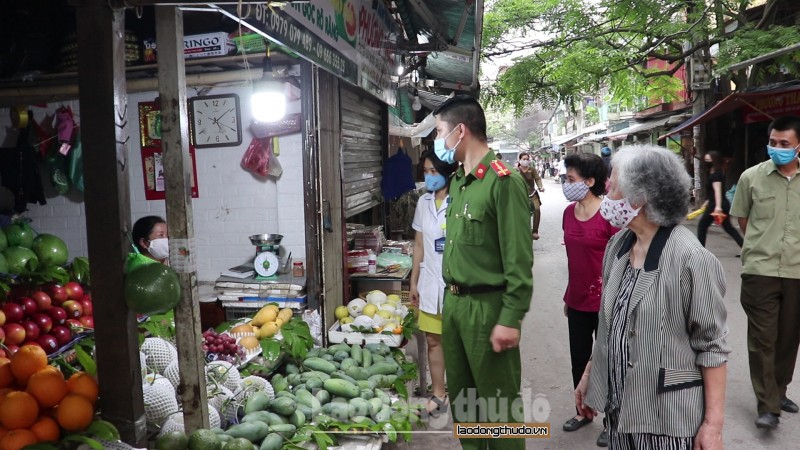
(27, 361)
(74, 413)
(3, 432)
(84, 384)
(6, 376)
(48, 387)
(46, 430)
(18, 410)
(18, 439)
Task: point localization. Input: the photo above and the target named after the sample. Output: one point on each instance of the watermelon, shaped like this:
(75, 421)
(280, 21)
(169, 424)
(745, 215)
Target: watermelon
(19, 235)
(152, 289)
(20, 259)
(50, 250)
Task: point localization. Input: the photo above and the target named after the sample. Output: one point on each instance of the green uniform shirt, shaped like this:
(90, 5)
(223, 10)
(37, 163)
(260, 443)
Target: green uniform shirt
(771, 204)
(488, 237)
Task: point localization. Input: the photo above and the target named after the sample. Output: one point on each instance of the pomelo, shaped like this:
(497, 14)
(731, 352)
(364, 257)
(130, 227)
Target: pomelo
(174, 440)
(204, 440)
(20, 259)
(50, 249)
(19, 235)
(152, 289)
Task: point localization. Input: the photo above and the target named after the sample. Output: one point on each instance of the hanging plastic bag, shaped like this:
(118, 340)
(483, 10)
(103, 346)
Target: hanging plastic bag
(136, 259)
(256, 158)
(75, 164)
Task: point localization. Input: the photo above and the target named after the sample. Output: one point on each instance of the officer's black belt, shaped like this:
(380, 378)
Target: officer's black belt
(457, 289)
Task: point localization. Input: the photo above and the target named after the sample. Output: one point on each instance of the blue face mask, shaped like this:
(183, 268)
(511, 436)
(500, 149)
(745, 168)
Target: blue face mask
(434, 182)
(446, 155)
(782, 156)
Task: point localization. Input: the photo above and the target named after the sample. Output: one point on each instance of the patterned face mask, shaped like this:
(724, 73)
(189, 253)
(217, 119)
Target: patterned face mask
(576, 191)
(619, 213)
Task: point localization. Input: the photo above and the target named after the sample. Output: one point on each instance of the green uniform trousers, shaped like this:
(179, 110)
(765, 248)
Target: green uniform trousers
(484, 386)
(772, 306)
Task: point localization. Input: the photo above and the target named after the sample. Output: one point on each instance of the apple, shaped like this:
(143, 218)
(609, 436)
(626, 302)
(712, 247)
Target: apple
(29, 306)
(62, 334)
(12, 348)
(2, 318)
(48, 343)
(58, 294)
(74, 325)
(15, 333)
(58, 314)
(43, 301)
(2, 335)
(32, 330)
(13, 312)
(73, 309)
(88, 308)
(43, 321)
(87, 321)
(74, 290)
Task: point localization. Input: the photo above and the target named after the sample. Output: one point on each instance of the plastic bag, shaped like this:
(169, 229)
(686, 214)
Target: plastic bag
(75, 164)
(256, 158)
(387, 259)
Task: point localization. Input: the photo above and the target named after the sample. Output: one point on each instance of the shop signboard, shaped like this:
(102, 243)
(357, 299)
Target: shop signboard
(348, 38)
(766, 108)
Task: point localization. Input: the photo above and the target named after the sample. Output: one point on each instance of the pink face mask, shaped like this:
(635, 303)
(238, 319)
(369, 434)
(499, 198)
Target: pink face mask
(619, 213)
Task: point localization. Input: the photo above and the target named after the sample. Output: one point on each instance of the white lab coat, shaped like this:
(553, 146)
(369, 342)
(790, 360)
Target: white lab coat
(430, 221)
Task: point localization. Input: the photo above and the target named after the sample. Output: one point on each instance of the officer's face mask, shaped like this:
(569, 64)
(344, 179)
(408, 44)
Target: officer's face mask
(782, 156)
(446, 155)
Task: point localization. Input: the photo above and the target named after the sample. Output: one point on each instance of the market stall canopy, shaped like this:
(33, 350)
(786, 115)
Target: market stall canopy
(561, 140)
(399, 128)
(622, 134)
(760, 105)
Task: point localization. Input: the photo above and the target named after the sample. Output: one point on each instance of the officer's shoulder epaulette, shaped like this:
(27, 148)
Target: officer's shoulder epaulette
(500, 168)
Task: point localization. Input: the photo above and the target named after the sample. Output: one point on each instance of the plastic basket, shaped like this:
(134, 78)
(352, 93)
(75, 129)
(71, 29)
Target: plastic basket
(250, 43)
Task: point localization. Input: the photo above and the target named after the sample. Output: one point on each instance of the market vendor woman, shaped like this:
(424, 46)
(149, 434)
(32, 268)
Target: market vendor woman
(150, 237)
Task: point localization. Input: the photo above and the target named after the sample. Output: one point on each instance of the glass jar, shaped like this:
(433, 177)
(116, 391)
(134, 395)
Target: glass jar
(297, 269)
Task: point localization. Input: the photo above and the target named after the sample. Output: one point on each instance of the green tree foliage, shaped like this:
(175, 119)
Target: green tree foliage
(564, 49)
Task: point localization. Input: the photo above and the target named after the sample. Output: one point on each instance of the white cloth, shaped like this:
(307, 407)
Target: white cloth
(430, 222)
(562, 168)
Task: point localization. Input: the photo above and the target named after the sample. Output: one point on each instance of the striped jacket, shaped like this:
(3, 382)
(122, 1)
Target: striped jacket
(676, 325)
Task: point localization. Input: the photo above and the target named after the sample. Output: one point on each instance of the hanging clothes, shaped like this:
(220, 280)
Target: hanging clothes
(19, 172)
(398, 177)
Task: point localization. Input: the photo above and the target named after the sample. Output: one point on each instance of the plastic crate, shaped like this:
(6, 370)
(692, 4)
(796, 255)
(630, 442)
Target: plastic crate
(250, 43)
(336, 335)
(237, 310)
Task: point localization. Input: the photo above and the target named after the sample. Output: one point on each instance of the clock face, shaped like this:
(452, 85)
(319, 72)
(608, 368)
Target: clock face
(216, 121)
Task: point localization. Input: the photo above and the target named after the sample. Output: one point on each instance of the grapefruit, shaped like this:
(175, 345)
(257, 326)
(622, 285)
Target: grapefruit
(20, 259)
(50, 249)
(152, 289)
(19, 235)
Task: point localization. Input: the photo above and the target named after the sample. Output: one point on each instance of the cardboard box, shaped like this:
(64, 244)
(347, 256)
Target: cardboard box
(194, 46)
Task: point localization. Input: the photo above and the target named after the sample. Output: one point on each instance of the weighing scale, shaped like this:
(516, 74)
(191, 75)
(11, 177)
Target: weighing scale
(268, 249)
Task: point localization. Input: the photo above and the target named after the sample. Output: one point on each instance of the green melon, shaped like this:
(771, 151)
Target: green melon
(19, 235)
(152, 289)
(50, 250)
(20, 259)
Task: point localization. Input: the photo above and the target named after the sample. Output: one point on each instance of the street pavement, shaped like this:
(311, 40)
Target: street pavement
(547, 380)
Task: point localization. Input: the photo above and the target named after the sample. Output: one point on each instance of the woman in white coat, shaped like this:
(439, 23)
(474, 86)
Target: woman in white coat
(427, 285)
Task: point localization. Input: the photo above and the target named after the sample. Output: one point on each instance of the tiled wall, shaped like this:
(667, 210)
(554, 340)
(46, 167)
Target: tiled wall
(233, 203)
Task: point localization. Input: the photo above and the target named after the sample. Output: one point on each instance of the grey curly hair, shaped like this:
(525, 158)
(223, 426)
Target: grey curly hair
(653, 176)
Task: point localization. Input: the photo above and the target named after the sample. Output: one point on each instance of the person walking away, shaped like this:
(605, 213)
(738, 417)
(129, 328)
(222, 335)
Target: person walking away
(488, 256)
(533, 181)
(659, 363)
(716, 205)
(767, 205)
(605, 153)
(426, 284)
(586, 234)
(562, 171)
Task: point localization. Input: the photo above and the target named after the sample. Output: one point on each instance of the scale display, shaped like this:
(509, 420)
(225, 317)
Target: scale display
(266, 264)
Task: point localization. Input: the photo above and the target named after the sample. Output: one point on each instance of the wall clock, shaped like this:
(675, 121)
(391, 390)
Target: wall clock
(216, 121)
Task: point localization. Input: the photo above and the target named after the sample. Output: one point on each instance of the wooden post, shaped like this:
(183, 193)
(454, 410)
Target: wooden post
(178, 178)
(104, 115)
(311, 183)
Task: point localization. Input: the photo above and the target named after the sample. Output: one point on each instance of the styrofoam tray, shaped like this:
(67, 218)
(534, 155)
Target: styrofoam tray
(336, 335)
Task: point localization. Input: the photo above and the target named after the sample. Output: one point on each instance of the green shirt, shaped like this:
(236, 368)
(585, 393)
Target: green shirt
(771, 204)
(488, 238)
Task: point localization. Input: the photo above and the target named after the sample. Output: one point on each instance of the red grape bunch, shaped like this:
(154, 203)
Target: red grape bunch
(221, 347)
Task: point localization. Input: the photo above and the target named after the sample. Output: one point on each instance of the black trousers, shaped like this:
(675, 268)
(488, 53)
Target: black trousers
(707, 218)
(582, 330)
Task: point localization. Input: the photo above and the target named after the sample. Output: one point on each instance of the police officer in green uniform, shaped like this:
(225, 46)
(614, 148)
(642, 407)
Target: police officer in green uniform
(488, 257)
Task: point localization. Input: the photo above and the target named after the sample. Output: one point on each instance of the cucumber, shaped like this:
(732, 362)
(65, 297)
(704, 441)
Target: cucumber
(356, 354)
(287, 431)
(256, 402)
(342, 388)
(321, 365)
(297, 419)
(252, 431)
(323, 396)
(359, 407)
(357, 373)
(375, 405)
(342, 376)
(383, 368)
(384, 415)
(348, 363)
(273, 441)
(270, 418)
(279, 383)
(366, 394)
(283, 406)
(366, 359)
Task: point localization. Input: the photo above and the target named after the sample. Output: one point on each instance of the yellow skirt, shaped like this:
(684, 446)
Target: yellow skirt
(430, 323)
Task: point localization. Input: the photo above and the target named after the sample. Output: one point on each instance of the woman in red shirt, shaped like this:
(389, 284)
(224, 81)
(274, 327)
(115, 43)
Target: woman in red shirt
(586, 234)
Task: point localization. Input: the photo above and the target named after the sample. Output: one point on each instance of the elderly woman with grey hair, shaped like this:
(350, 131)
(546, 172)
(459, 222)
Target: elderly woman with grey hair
(658, 367)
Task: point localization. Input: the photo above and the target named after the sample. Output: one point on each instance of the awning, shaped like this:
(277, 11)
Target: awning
(561, 140)
(621, 135)
(763, 104)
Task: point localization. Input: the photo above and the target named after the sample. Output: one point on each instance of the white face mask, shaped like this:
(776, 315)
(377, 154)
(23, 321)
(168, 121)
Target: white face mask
(159, 248)
(619, 213)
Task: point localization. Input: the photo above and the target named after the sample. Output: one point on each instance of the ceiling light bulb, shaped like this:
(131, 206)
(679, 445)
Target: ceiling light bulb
(416, 105)
(268, 102)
